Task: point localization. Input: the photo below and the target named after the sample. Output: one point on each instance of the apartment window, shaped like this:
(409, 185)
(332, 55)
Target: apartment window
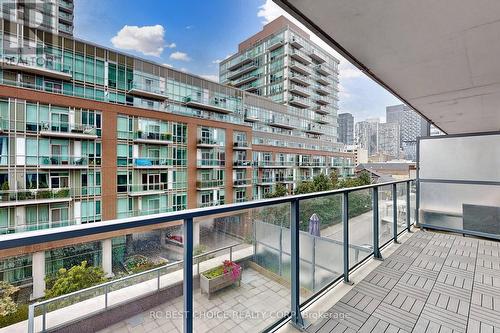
(59, 180)
(122, 181)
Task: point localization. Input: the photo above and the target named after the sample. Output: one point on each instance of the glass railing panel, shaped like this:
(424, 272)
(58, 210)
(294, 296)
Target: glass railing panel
(360, 226)
(413, 202)
(401, 206)
(240, 268)
(385, 214)
(321, 243)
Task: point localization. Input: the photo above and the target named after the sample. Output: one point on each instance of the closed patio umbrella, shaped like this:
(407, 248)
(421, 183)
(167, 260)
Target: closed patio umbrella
(314, 225)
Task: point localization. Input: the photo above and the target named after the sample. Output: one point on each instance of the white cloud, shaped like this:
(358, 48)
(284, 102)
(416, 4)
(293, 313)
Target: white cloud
(343, 92)
(189, 27)
(168, 65)
(211, 77)
(148, 40)
(171, 46)
(349, 71)
(218, 61)
(181, 56)
(269, 11)
(183, 69)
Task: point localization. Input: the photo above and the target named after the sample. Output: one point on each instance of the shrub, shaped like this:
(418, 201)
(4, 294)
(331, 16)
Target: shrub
(7, 305)
(19, 315)
(76, 278)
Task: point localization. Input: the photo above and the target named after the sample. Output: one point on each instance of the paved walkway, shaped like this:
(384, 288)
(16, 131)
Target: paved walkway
(248, 308)
(434, 282)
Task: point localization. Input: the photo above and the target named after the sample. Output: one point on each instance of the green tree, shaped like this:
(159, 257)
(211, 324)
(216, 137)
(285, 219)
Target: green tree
(7, 305)
(334, 178)
(279, 191)
(76, 278)
(304, 187)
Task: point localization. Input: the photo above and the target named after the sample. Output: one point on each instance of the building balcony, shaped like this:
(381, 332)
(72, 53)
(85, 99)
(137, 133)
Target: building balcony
(241, 145)
(284, 179)
(320, 109)
(373, 223)
(242, 70)
(296, 42)
(275, 43)
(66, 17)
(251, 117)
(299, 90)
(299, 79)
(321, 119)
(210, 164)
(242, 183)
(242, 164)
(65, 130)
(322, 90)
(209, 184)
(275, 164)
(265, 181)
(299, 102)
(240, 61)
(145, 90)
(60, 161)
(300, 68)
(147, 189)
(50, 68)
(152, 163)
(25, 226)
(300, 56)
(314, 129)
(214, 104)
(244, 80)
(67, 5)
(153, 138)
(322, 100)
(23, 197)
(208, 143)
(323, 69)
(317, 56)
(282, 123)
(321, 79)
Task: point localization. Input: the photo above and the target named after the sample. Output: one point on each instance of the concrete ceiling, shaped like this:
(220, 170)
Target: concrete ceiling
(440, 56)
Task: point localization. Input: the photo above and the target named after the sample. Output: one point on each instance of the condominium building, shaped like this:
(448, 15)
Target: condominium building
(411, 126)
(55, 16)
(89, 134)
(388, 139)
(283, 64)
(377, 137)
(346, 128)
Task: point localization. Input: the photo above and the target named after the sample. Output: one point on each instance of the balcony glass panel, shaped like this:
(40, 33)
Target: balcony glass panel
(360, 226)
(385, 214)
(401, 204)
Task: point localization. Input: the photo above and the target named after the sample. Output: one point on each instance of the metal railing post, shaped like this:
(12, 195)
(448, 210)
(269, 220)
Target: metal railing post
(296, 319)
(408, 206)
(376, 231)
(345, 227)
(231, 253)
(44, 319)
(280, 258)
(158, 281)
(31, 318)
(188, 275)
(105, 296)
(314, 264)
(395, 213)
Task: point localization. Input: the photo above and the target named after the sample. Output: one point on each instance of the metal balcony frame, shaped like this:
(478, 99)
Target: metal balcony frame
(294, 316)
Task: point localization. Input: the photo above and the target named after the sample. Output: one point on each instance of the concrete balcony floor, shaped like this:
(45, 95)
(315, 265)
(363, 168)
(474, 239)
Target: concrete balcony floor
(257, 294)
(433, 282)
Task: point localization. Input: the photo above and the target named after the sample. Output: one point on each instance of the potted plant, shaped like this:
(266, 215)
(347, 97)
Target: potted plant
(220, 277)
(5, 190)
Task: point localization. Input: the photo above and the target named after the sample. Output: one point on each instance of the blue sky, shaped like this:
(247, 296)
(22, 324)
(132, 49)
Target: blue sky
(192, 35)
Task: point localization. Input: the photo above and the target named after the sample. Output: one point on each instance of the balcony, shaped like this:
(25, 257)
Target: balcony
(317, 56)
(142, 89)
(62, 161)
(324, 80)
(275, 43)
(322, 100)
(306, 283)
(208, 143)
(153, 138)
(241, 145)
(67, 5)
(209, 184)
(66, 130)
(275, 164)
(244, 80)
(300, 79)
(210, 163)
(322, 90)
(296, 42)
(323, 69)
(51, 68)
(299, 67)
(152, 163)
(242, 183)
(321, 110)
(265, 181)
(147, 189)
(314, 129)
(23, 197)
(212, 203)
(282, 123)
(251, 117)
(300, 56)
(284, 179)
(66, 17)
(214, 104)
(300, 102)
(240, 61)
(242, 164)
(242, 70)
(299, 90)
(321, 119)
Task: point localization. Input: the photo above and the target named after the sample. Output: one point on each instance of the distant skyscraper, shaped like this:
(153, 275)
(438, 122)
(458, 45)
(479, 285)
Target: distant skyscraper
(411, 126)
(388, 139)
(346, 128)
(367, 135)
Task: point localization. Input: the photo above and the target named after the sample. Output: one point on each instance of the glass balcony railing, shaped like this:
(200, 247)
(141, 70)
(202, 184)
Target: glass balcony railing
(152, 162)
(147, 90)
(241, 144)
(211, 163)
(242, 182)
(258, 242)
(216, 104)
(205, 184)
(153, 136)
(41, 225)
(8, 197)
(242, 163)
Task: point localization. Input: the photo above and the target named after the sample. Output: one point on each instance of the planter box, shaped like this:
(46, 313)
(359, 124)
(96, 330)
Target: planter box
(210, 286)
